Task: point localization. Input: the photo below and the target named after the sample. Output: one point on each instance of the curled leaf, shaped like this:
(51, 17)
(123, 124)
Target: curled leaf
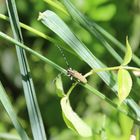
(128, 53)
(124, 84)
(59, 86)
(73, 121)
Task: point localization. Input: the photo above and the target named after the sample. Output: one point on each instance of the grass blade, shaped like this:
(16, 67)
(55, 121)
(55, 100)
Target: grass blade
(57, 5)
(52, 21)
(12, 114)
(96, 30)
(130, 102)
(13, 41)
(33, 30)
(29, 91)
(7, 136)
(77, 16)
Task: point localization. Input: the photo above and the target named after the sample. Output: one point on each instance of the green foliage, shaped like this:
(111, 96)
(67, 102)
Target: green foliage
(128, 54)
(90, 49)
(124, 84)
(59, 86)
(72, 119)
(124, 78)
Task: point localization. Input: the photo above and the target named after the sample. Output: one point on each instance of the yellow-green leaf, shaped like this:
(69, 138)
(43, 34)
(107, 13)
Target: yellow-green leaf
(59, 86)
(72, 120)
(128, 54)
(124, 84)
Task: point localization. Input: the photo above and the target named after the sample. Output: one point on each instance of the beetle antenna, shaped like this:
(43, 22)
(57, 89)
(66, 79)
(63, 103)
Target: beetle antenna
(61, 51)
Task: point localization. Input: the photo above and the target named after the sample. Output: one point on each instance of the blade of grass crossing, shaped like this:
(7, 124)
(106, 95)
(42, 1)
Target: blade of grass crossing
(97, 31)
(12, 114)
(96, 92)
(52, 21)
(13, 41)
(80, 18)
(29, 91)
(90, 26)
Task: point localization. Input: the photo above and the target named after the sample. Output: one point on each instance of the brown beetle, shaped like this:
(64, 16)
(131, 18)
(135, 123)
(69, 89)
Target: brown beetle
(73, 73)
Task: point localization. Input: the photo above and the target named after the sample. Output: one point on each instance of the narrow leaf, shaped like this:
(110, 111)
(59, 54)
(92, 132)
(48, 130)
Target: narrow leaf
(124, 84)
(28, 86)
(128, 53)
(130, 102)
(78, 17)
(52, 21)
(97, 30)
(57, 5)
(12, 114)
(73, 120)
(43, 58)
(7, 136)
(59, 86)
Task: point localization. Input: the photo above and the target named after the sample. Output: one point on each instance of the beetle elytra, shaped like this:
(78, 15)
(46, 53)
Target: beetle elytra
(73, 73)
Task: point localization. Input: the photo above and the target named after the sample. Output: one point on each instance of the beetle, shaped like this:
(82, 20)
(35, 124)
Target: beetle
(73, 73)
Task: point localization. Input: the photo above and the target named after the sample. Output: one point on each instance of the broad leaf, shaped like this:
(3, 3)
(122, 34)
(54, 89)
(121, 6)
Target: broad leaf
(72, 120)
(128, 54)
(124, 84)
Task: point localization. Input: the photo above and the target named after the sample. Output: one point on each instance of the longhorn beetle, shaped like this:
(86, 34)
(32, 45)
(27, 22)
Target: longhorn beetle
(71, 72)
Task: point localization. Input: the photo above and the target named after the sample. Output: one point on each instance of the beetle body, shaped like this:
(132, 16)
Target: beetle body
(73, 73)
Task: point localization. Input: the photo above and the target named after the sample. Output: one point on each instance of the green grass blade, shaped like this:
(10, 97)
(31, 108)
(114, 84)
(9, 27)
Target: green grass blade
(12, 114)
(88, 87)
(52, 21)
(56, 5)
(7, 136)
(115, 41)
(34, 31)
(77, 16)
(29, 91)
(96, 30)
(13, 41)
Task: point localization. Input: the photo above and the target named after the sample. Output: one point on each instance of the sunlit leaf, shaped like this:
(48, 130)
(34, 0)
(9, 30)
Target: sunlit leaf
(59, 86)
(128, 54)
(72, 120)
(68, 123)
(124, 84)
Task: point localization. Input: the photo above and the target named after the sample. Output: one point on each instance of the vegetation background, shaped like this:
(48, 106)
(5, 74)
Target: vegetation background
(120, 18)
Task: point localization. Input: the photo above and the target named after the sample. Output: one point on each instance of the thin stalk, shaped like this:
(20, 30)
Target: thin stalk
(6, 37)
(110, 69)
(24, 26)
(71, 88)
(57, 5)
(93, 90)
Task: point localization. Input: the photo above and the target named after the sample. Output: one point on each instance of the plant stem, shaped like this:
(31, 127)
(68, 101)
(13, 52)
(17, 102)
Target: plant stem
(6, 37)
(71, 88)
(111, 68)
(30, 29)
